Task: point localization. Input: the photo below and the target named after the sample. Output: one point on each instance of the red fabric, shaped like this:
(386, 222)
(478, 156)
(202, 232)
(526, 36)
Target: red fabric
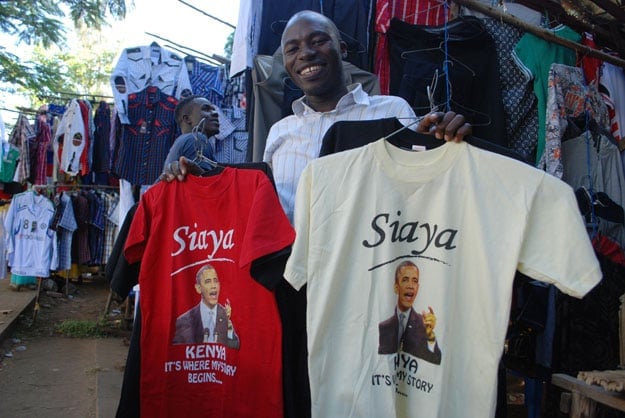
(416, 12)
(84, 156)
(607, 247)
(227, 220)
(591, 66)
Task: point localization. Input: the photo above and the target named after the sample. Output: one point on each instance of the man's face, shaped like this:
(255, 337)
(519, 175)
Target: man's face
(208, 287)
(312, 56)
(200, 109)
(407, 286)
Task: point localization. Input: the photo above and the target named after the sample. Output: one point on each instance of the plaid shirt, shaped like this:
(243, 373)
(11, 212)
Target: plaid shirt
(145, 142)
(110, 228)
(44, 137)
(80, 245)
(206, 80)
(65, 230)
(96, 227)
(20, 137)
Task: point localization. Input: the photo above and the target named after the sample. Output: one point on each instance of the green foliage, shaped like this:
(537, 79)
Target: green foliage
(82, 329)
(228, 46)
(39, 22)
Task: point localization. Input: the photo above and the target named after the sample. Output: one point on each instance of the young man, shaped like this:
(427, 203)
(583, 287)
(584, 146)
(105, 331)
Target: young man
(195, 112)
(312, 52)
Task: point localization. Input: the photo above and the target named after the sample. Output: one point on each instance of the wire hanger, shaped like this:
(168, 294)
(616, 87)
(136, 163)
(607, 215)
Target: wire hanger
(450, 58)
(431, 89)
(200, 158)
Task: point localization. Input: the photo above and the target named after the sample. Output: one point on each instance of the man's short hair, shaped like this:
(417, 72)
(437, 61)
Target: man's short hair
(198, 275)
(182, 105)
(403, 264)
(333, 29)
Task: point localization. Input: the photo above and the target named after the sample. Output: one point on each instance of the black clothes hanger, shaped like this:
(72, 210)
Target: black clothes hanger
(600, 204)
(344, 135)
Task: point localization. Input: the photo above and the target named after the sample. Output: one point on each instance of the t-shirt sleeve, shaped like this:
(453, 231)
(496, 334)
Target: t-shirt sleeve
(138, 233)
(296, 271)
(268, 229)
(557, 248)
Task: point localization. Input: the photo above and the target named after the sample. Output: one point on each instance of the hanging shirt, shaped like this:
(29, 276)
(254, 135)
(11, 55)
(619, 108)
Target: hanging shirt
(10, 156)
(415, 12)
(69, 140)
(146, 139)
(567, 96)
(31, 244)
(468, 219)
(534, 57)
(227, 220)
(21, 135)
(613, 90)
(65, 228)
(144, 66)
(206, 80)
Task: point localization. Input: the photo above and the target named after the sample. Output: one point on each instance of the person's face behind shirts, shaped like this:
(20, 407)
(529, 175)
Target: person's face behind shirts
(312, 56)
(406, 287)
(209, 287)
(200, 109)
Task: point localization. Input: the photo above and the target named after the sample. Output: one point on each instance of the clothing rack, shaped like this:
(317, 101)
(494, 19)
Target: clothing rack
(541, 33)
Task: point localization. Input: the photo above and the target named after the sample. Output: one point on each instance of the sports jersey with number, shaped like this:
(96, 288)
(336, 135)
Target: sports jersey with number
(31, 244)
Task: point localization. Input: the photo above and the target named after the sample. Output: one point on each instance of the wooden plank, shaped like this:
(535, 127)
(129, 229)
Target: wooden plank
(541, 33)
(596, 393)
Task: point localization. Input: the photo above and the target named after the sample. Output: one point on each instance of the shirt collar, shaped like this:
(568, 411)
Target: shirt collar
(355, 95)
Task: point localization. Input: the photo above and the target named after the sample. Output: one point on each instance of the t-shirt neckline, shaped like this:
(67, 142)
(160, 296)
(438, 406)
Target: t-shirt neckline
(415, 166)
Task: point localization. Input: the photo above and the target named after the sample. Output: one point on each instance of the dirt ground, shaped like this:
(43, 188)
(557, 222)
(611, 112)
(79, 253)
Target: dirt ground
(47, 367)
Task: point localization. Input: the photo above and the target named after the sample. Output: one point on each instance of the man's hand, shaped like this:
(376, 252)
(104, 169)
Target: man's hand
(429, 320)
(178, 170)
(228, 312)
(450, 126)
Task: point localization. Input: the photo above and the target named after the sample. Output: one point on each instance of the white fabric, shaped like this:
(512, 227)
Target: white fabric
(468, 219)
(3, 135)
(613, 80)
(519, 11)
(295, 140)
(126, 200)
(72, 128)
(145, 66)
(30, 243)
(3, 253)
(245, 42)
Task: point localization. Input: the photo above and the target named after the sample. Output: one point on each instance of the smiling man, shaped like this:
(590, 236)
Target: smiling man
(313, 53)
(408, 331)
(208, 321)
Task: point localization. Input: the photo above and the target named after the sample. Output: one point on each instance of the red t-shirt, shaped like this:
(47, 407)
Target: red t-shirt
(226, 220)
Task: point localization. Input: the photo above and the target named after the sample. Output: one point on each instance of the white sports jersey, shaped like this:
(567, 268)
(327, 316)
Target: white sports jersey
(468, 218)
(31, 244)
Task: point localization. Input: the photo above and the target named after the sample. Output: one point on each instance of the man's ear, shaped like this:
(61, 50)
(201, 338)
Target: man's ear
(343, 47)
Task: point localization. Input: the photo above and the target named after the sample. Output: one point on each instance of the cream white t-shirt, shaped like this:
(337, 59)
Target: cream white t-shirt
(468, 218)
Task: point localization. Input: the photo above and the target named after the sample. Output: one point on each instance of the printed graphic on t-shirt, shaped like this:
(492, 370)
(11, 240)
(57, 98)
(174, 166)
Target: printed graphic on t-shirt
(408, 331)
(208, 321)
